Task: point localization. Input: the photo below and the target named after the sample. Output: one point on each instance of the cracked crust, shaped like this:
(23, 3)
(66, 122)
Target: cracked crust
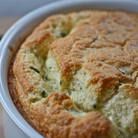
(80, 85)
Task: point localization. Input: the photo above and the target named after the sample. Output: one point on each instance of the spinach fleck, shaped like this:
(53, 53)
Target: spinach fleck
(63, 34)
(80, 88)
(94, 40)
(43, 93)
(34, 69)
(69, 92)
(121, 71)
(95, 106)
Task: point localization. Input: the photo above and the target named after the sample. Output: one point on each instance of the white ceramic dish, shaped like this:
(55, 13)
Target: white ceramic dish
(24, 26)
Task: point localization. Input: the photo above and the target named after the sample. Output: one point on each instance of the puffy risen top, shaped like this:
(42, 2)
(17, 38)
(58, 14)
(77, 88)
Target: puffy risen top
(76, 76)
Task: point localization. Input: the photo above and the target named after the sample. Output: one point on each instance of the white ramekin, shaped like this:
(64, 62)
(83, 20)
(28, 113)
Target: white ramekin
(24, 26)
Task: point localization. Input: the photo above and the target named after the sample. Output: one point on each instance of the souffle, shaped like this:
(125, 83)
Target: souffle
(76, 76)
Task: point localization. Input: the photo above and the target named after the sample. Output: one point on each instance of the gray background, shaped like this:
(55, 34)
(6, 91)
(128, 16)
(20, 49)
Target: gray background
(20, 7)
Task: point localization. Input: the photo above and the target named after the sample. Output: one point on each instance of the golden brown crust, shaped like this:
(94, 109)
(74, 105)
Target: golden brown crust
(103, 44)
